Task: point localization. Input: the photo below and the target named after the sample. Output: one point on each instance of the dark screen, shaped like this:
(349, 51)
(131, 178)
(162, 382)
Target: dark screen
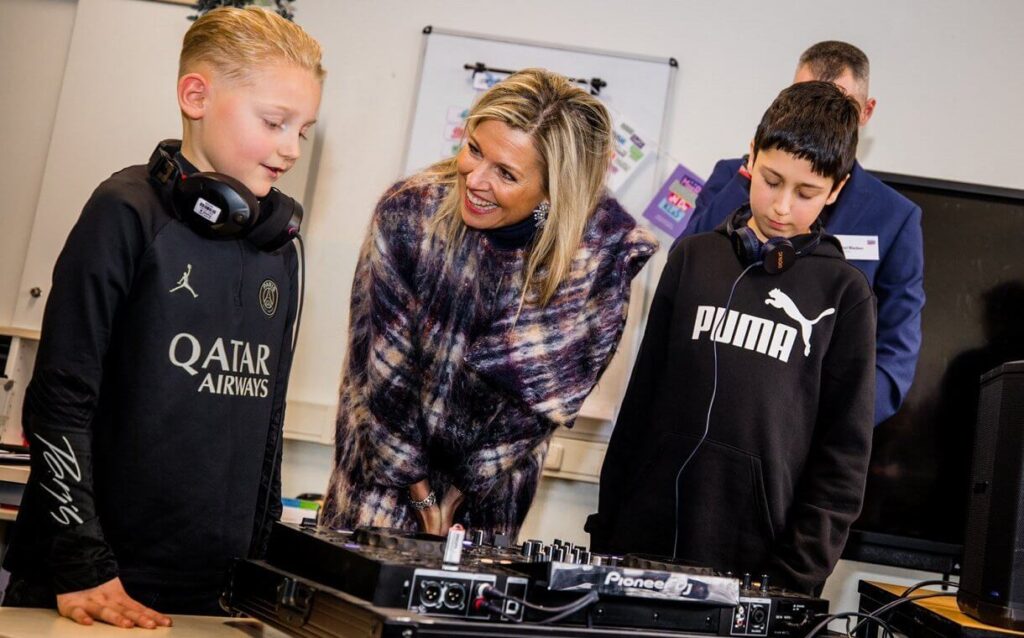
(973, 320)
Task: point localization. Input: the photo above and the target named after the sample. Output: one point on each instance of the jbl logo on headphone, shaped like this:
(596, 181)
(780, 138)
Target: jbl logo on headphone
(219, 206)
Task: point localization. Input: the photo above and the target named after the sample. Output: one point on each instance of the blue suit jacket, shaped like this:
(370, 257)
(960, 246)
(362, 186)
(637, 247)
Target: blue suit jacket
(866, 206)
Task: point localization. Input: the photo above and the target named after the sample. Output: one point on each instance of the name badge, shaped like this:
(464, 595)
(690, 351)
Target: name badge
(859, 247)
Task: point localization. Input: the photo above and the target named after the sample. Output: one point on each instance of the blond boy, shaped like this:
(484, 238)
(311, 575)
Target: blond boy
(155, 409)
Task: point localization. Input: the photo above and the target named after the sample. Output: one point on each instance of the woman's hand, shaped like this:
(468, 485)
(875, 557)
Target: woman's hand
(430, 520)
(429, 517)
(450, 504)
(111, 604)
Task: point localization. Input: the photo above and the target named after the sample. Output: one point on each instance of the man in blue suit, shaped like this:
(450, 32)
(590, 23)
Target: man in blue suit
(880, 230)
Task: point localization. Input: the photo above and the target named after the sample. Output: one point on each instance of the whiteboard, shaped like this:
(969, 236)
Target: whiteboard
(637, 89)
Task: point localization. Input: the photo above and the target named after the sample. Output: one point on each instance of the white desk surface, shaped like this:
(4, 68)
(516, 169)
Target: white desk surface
(43, 623)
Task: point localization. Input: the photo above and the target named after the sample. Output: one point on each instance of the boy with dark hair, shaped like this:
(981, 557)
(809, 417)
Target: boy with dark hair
(880, 229)
(744, 436)
(155, 410)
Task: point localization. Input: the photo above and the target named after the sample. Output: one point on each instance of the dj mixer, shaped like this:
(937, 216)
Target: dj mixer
(489, 587)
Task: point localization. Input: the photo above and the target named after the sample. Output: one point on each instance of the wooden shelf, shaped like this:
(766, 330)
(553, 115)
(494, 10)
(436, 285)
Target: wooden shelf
(14, 473)
(574, 460)
(8, 515)
(24, 333)
(933, 617)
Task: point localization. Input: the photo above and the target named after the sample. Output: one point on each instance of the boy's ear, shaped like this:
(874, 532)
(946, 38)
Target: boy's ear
(835, 191)
(193, 94)
(750, 157)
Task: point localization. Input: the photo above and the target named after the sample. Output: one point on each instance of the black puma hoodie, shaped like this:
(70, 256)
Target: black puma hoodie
(779, 478)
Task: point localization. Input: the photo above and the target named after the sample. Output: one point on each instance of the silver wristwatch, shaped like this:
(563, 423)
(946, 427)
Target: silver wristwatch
(427, 502)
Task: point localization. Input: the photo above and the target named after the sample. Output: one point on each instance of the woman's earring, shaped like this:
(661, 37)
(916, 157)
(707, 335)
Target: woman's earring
(540, 214)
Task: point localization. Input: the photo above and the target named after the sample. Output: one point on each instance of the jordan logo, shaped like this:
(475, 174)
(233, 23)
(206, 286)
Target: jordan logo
(183, 282)
(781, 300)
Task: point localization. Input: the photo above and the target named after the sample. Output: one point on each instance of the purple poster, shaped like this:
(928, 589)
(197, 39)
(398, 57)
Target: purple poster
(671, 208)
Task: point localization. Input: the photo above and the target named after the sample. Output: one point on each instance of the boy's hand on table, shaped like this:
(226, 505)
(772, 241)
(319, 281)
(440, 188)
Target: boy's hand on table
(111, 604)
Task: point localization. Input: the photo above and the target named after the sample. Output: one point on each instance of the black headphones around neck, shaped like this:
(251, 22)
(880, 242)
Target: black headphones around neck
(221, 207)
(775, 255)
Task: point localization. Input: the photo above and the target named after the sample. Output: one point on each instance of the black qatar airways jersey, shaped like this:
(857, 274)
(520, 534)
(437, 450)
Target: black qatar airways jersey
(155, 409)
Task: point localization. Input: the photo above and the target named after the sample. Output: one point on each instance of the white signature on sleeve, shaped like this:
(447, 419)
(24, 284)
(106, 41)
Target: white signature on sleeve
(63, 466)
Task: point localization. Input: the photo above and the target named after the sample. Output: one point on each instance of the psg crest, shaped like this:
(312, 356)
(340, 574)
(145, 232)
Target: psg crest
(268, 297)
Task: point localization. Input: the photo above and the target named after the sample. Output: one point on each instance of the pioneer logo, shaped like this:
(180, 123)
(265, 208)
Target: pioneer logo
(676, 587)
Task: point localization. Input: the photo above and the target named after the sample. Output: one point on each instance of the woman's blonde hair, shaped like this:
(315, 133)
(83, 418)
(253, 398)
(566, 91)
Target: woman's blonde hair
(234, 41)
(571, 131)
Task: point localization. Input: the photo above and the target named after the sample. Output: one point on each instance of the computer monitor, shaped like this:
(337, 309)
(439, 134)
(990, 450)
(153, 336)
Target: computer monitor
(916, 499)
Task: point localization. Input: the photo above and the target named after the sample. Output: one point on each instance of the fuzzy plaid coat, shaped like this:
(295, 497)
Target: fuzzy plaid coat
(441, 381)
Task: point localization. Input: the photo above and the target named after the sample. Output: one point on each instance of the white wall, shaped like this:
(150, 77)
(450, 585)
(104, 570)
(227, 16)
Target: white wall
(34, 40)
(944, 73)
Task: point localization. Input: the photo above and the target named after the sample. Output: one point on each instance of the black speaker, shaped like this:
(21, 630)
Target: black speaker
(992, 581)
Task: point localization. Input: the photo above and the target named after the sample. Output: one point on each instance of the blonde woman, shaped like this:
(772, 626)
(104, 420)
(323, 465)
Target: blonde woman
(490, 294)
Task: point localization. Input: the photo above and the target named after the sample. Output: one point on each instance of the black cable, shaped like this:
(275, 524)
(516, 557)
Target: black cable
(904, 599)
(570, 609)
(490, 590)
(580, 605)
(302, 290)
(886, 627)
(711, 403)
(494, 609)
(925, 583)
(279, 447)
(905, 596)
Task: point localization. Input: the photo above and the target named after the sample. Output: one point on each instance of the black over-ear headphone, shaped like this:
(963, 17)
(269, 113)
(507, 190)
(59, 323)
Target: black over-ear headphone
(219, 206)
(775, 255)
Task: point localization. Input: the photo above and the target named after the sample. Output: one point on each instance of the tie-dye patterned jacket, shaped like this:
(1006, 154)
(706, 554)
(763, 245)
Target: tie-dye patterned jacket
(443, 381)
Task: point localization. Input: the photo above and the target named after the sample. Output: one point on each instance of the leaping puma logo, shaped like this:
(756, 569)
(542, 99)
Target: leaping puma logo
(781, 300)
